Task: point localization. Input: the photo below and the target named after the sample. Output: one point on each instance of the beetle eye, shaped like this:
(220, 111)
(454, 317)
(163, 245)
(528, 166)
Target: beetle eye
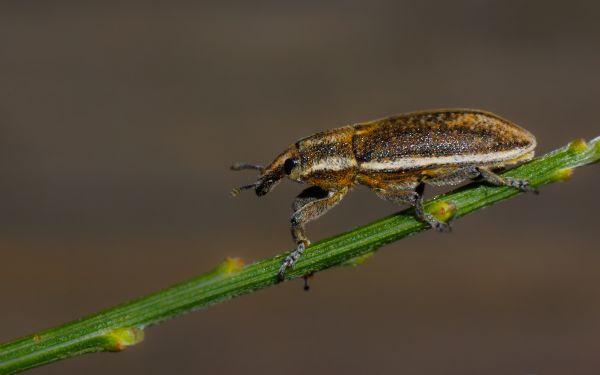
(288, 166)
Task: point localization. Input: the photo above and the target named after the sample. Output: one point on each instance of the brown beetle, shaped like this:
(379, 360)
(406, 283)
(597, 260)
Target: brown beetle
(395, 157)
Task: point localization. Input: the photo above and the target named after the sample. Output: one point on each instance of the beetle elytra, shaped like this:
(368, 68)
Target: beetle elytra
(395, 157)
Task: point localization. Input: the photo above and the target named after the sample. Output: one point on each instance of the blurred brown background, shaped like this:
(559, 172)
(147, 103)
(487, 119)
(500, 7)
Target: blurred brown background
(118, 124)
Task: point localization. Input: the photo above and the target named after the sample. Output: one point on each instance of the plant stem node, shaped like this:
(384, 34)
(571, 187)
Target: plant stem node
(231, 265)
(578, 145)
(563, 174)
(442, 210)
(121, 338)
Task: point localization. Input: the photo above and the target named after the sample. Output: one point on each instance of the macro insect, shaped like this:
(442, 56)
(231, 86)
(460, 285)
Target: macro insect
(395, 157)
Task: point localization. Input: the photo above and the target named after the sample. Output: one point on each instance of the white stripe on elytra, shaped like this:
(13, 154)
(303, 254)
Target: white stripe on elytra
(413, 162)
(334, 163)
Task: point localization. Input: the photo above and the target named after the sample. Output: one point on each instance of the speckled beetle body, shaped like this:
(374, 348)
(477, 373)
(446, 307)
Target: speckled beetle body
(395, 157)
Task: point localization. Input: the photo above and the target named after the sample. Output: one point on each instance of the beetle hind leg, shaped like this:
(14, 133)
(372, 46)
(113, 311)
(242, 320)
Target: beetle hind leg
(312, 203)
(498, 180)
(472, 172)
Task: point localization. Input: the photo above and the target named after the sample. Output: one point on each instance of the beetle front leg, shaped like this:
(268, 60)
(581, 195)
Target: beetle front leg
(415, 199)
(309, 205)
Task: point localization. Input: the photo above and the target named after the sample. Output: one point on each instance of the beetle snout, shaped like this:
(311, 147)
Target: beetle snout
(261, 190)
(264, 186)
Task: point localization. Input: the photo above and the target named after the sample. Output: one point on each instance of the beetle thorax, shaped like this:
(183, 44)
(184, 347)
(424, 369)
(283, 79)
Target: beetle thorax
(327, 159)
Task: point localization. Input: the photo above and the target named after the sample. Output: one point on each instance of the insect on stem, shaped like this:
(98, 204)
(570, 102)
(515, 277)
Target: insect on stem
(396, 157)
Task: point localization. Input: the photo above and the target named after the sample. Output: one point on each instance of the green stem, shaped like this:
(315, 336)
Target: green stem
(121, 326)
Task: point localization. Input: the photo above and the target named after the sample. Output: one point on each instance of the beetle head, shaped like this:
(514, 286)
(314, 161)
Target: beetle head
(286, 164)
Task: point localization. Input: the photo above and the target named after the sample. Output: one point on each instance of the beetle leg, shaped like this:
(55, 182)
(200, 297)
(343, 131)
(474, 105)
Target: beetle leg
(454, 177)
(471, 172)
(309, 205)
(498, 180)
(308, 195)
(415, 199)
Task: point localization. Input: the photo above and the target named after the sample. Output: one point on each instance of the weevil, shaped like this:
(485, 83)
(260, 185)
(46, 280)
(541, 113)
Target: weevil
(395, 157)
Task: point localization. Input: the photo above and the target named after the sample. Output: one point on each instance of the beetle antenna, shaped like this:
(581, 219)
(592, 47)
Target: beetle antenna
(236, 191)
(242, 166)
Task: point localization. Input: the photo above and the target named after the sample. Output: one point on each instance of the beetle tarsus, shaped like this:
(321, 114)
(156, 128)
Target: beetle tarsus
(522, 185)
(441, 226)
(291, 260)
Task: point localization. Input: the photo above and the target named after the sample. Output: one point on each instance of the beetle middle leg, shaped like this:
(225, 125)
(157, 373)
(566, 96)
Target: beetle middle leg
(415, 199)
(309, 205)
